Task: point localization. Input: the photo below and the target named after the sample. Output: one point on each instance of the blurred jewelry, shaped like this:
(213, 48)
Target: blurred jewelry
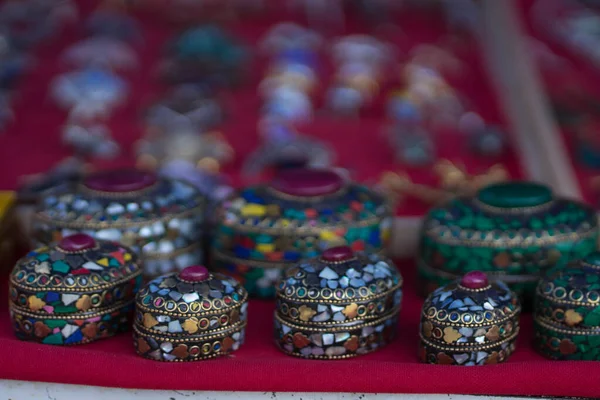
(287, 36)
(93, 140)
(103, 52)
(413, 145)
(360, 60)
(283, 147)
(92, 88)
(187, 107)
(207, 150)
(454, 181)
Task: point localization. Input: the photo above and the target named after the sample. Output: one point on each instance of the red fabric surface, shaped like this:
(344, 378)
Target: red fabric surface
(32, 143)
(31, 146)
(259, 366)
(580, 74)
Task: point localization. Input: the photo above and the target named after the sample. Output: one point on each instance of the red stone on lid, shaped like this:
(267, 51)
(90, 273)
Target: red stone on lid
(305, 182)
(116, 181)
(338, 254)
(474, 280)
(77, 242)
(194, 273)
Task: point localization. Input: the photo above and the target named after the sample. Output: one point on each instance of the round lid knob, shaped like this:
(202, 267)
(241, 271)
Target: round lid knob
(194, 273)
(338, 254)
(306, 182)
(117, 181)
(515, 194)
(77, 242)
(474, 280)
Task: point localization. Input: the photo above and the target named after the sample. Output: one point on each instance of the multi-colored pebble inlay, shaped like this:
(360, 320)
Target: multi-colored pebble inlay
(472, 322)
(338, 309)
(162, 222)
(70, 297)
(567, 312)
(187, 317)
(263, 231)
(514, 244)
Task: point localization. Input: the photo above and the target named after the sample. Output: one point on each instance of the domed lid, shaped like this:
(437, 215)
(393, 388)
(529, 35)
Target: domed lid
(470, 302)
(340, 276)
(193, 291)
(303, 197)
(577, 285)
(518, 212)
(78, 263)
(119, 197)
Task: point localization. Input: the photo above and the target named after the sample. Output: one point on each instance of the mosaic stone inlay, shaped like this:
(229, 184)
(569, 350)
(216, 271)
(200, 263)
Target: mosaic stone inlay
(206, 317)
(515, 243)
(468, 326)
(72, 329)
(162, 222)
(338, 309)
(262, 228)
(567, 311)
(83, 286)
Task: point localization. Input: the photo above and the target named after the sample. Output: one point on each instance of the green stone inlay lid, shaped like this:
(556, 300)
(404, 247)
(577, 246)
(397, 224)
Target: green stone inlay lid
(515, 194)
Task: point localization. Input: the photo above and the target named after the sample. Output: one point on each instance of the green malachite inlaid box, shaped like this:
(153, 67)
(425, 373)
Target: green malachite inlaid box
(74, 292)
(567, 311)
(267, 228)
(514, 231)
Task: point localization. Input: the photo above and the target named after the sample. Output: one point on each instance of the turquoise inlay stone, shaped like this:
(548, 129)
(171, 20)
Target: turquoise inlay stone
(515, 195)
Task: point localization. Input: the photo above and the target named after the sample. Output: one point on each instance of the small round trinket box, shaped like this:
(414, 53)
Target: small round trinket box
(513, 231)
(469, 322)
(265, 229)
(74, 292)
(189, 316)
(159, 218)
(567, 311)
(339, 305)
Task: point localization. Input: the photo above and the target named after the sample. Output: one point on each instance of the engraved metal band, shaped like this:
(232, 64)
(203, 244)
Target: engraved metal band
(499, 275)
(341, 327)
(514, 315)
(82, 225)
(442, 235)
(300, 228)
(458, 348)
(72, 316)
(339, 301)
(75, 289)
(571, 331)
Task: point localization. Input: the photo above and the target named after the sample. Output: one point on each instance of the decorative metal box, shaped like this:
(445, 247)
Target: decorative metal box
(567, 311)
(159, 218)
(265, 229)
(188, 316)
(513, 231)
(74, 292)
(469, 322)
(339, 305)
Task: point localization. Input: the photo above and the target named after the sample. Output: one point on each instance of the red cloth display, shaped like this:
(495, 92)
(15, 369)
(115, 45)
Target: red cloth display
(32, 145)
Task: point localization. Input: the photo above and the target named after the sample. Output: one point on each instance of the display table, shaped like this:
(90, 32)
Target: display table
(31, 146)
